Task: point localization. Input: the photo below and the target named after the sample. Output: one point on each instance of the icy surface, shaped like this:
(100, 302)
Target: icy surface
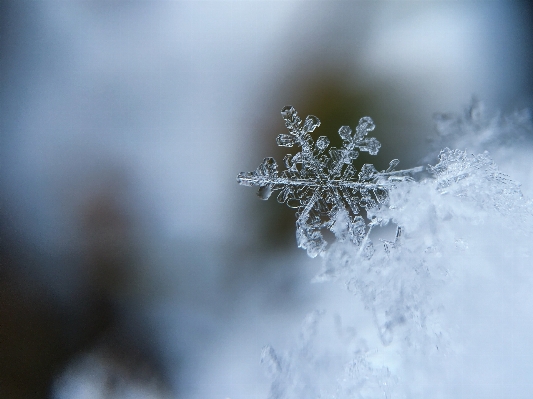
(324, 186)
(447, 297)
(431, 295)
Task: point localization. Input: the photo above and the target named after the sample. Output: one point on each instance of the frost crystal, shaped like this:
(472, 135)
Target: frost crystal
(323, 185)
(438, 294)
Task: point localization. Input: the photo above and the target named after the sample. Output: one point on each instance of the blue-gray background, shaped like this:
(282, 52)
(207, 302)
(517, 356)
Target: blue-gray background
(123, 124)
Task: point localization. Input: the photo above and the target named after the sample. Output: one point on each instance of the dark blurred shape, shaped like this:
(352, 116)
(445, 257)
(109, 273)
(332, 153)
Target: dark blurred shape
(36, 332)
(31, 334)
(108, 248)
(40, 335)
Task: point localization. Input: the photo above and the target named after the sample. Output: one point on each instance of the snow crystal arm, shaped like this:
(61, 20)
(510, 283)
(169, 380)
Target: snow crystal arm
(326, 190)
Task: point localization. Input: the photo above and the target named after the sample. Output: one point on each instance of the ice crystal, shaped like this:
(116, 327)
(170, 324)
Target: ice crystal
(461, 224)
(427, 296)
(324, 185)
(475, 171)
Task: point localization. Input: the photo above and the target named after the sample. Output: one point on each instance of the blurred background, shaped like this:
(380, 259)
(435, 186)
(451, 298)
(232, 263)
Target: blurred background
(131, 262)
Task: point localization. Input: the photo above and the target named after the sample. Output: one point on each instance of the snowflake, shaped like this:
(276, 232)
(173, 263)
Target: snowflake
(324, 186)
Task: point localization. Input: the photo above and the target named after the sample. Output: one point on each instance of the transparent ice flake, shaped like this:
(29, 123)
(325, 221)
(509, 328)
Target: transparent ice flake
(324, 186)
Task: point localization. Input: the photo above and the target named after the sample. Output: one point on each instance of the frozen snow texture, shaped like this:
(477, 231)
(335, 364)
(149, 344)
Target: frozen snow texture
(306, 370)
(324, 186)
(411, 285)
(507, 137)
(448, 296)
(478, 132)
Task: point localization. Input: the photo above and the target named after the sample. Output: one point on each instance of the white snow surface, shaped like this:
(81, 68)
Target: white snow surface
(443, 310)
